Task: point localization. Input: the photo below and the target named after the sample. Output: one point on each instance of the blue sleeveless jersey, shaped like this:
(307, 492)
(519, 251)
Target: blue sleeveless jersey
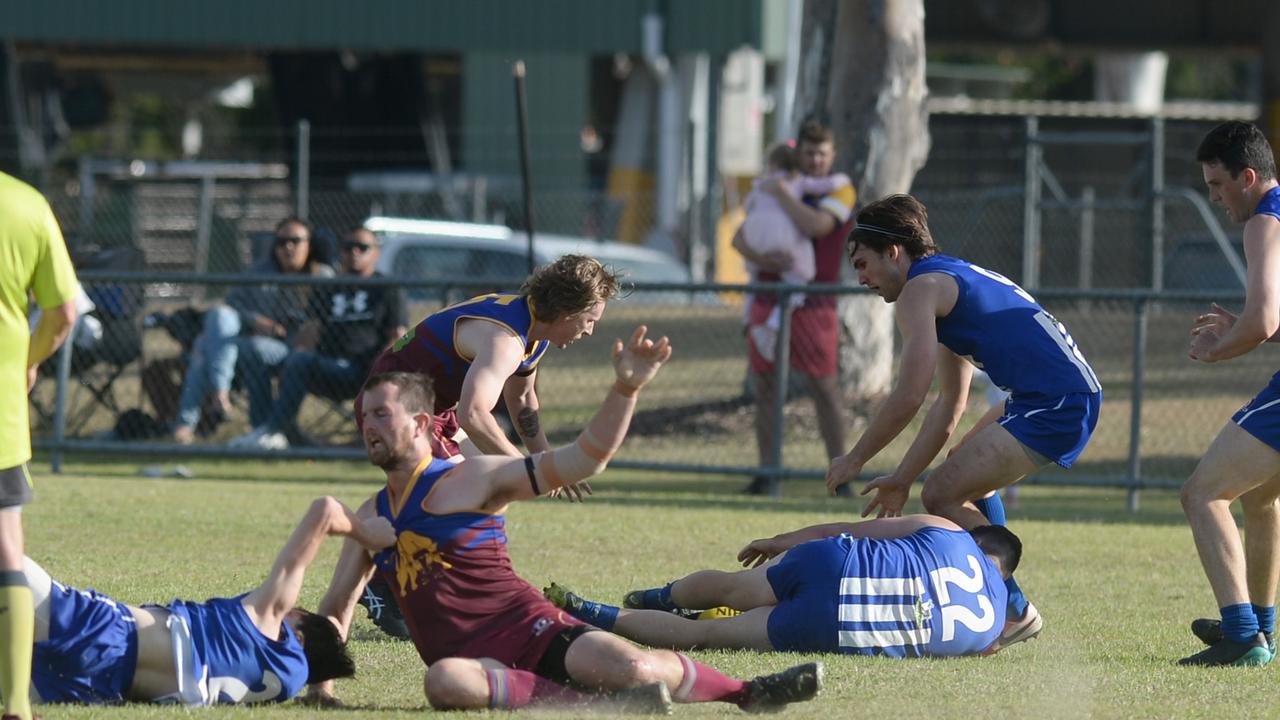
(1000, 328)
(233, 662)
(430, 346)
(932, 593)
(1270, 204)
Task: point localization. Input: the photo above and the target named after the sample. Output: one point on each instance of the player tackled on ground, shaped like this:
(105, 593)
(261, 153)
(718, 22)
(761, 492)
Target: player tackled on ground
(256, 647)
(1244, 460)
(490, 639)
(915, 586)
(950, 311)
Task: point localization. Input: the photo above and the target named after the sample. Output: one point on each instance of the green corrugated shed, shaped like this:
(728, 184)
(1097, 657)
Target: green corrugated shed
(587, 26)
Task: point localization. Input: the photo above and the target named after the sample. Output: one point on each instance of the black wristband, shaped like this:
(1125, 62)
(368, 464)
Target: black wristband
(533, 480)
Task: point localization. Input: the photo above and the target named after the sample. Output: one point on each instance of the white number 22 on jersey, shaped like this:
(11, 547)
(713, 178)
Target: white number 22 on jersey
(945, 577)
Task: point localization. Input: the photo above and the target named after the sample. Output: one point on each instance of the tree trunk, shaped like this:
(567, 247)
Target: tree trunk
(862, 74)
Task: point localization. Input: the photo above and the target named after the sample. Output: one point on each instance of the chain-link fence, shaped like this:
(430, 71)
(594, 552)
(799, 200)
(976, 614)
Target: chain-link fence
(128, 360)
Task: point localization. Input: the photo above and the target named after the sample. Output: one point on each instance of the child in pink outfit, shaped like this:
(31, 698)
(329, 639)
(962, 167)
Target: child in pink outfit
(768, 228)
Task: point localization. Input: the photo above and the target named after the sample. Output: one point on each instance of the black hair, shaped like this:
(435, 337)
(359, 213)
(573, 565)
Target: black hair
(324, 648)
(1238, 145)
(999, 542)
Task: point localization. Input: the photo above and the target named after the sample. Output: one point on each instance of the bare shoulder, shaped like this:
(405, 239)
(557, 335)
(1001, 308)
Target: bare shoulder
(926, 520)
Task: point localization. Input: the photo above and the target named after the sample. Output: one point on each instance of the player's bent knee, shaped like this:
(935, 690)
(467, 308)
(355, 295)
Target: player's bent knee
(456, 684)
(937, 498)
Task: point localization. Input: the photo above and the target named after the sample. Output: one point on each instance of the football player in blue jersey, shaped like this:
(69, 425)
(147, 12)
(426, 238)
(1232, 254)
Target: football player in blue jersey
(1244, 460)
(954, 315)
(914, 586)
(256, 647)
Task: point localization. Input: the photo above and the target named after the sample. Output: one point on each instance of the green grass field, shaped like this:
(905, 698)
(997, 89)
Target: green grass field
(1117, 590)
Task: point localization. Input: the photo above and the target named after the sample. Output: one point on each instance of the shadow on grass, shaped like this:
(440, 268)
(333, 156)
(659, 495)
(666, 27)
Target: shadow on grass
(1041, 499)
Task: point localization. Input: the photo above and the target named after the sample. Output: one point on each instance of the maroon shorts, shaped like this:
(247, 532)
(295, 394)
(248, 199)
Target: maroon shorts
(815, 335)
(522, 642)
(443, 427)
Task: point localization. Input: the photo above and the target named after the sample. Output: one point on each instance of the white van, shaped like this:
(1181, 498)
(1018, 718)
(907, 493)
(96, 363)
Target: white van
(416, 249)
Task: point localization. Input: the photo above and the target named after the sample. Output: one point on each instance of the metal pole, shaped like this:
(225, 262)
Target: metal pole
(304, 168)
(781, 379)
(1086, 237)
(1031, 207)
(204, 224)
(1141, 307)
(60, 403)
(1156, 199)
(522, 127)
(86, 196)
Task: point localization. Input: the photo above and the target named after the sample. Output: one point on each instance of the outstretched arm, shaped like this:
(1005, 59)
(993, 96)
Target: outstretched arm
(915, 317)
(954, 375)
(492, 482)
(758, 551)
(276, 596)
(353, 570)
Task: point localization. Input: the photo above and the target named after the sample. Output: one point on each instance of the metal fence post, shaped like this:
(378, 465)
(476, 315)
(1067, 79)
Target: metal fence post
(60, 404)
(304, 168)
(781, 381)
(1031, 207)
(204, 223)
(1141, 307)
(1156, 202)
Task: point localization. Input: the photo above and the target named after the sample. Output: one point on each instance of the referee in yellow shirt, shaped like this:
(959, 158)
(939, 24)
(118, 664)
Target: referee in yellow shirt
(33, 261)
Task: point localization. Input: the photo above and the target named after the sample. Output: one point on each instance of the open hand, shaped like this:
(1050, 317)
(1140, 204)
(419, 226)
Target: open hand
(758, 551)
(572, 493)
(891, 495)
(638, 361)
(843, 470)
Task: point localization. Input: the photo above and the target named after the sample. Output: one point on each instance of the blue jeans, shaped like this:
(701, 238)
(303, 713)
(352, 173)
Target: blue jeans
(212, 363)
(260, 358)
(310, 372)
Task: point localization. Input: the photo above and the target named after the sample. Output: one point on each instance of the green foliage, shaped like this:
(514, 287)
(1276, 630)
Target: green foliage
(1117, 590)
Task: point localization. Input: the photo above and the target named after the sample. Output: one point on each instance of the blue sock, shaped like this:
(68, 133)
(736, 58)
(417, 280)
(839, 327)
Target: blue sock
(659, 598)
(1017, 601)
(993, 509)
(1239, 624)
(1266, 618)
(598, 614)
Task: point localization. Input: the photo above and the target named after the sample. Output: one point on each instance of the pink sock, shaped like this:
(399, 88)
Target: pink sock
(511, 689)
(703, 683)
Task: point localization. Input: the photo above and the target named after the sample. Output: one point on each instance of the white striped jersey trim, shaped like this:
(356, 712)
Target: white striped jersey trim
(887, 638)
(873, 587)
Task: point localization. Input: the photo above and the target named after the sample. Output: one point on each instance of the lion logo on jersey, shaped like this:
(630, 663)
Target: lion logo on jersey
(416, 556)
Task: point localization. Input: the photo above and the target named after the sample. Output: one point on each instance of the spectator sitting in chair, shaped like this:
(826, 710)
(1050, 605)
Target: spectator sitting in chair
(331, 358)
(255, 322)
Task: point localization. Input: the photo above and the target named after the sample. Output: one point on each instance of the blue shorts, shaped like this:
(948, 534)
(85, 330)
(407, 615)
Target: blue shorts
(1057, 428)
(806, 582)
(92, 650)
(1260, 417)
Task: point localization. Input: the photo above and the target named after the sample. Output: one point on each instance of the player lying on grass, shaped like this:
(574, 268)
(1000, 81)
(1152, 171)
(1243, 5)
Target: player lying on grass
(490, 639)
(954, 316)
(252, 648)
(902, 587)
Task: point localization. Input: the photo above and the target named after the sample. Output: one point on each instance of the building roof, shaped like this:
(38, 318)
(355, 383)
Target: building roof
(717, 26)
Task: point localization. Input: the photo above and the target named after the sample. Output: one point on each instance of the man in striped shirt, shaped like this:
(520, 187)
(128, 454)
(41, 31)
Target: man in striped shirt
(914, 586)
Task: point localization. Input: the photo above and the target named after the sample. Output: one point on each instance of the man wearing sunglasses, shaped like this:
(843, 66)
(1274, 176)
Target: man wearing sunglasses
(349, 326)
